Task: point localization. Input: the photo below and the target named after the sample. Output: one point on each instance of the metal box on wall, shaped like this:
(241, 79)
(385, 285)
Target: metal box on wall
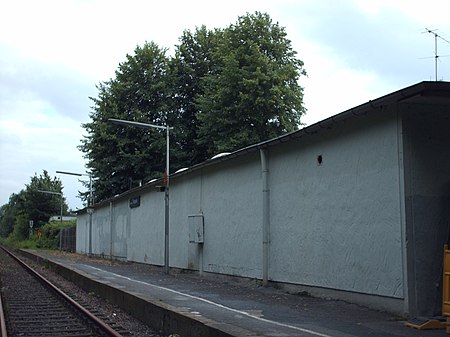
(196, 228)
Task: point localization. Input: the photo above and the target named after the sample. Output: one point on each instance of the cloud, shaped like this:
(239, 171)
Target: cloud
(382, 40)
(53, 53)
(41, 111)
(60, 87)
(355, 51)
(32, 140)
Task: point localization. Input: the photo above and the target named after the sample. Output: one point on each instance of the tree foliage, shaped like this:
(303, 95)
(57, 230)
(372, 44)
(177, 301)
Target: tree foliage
(31, 204)
(194, 60)
(120, 156)
(254, 95)
(223, 89)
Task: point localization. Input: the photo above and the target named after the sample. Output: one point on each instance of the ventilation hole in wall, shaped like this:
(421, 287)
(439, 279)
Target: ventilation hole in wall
(319, 159)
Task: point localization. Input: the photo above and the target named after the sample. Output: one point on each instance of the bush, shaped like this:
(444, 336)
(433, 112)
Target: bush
(16, 244)
(48, 236)
(21, 229)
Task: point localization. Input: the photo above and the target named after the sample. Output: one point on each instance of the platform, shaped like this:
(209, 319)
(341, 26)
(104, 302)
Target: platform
(192, 305)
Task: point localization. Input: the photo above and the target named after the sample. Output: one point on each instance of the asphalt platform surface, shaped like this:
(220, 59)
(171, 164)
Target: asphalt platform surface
(235, 307)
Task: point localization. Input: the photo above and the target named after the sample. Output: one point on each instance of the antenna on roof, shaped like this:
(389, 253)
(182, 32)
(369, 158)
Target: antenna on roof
(436, 56)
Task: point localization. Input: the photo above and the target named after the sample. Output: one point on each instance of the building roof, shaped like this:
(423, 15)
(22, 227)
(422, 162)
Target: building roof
(423, 92)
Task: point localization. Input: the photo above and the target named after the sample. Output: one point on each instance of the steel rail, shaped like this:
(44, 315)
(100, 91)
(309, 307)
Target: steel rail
(3, 331)
(102, 325)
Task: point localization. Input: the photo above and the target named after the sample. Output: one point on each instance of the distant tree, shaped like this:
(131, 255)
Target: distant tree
(254, 93)
(41, 206)
(21, 228)
(31, 204)
(9, 213)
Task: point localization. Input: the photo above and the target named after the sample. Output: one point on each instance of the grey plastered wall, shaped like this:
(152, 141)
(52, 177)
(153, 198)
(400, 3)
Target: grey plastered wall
(120, 228)
(101, 231)
(337, 224)
(147, 223)
(426, 131)
(82, 243)
(146, 240)
(229, 197)
(334, 225)
(185, 199)
(232, 208)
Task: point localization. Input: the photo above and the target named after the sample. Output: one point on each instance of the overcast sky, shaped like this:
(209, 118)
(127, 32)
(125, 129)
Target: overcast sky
(53, 53)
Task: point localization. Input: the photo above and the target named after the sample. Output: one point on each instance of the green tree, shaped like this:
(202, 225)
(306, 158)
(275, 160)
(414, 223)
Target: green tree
(40, 206)
(31, 204)
(193, 61)
(254, 94)
(8, 214)
(21, 228)
(222, 90)
(120, 156)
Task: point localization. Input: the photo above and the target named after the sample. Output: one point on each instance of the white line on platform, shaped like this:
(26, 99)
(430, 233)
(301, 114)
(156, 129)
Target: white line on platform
(315, 333)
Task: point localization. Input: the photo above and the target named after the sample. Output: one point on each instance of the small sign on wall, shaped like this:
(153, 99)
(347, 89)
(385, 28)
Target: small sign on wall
(135, 202)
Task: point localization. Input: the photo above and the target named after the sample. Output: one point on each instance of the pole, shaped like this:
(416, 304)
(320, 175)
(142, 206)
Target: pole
(166, 190)
(166, 218)
(90, 192)
(264, 153)
(90, 203)
(90, 232)
(61, 230)
(435, 58)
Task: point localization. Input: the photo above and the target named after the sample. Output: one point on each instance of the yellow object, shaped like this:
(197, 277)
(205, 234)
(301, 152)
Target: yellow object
(446, 283)
(425, 324)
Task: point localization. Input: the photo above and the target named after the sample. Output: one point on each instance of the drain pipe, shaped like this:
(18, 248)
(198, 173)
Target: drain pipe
(111, 230)
(264, 153)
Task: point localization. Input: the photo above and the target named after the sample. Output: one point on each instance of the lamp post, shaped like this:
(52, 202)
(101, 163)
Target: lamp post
(55, 193)
(90, 202)
(90, 199)
(166, 190)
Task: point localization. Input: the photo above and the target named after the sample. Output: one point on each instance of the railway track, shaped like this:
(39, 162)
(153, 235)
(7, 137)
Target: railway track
(31, 306)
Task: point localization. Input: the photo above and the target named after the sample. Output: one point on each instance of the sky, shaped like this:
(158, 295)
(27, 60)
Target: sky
(53, 53)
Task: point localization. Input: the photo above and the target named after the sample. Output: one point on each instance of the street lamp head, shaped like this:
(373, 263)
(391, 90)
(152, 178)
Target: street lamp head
(91, 198)
(50, 192)
(71, 173)
(136, 124)
(55, 193)
(74, 173)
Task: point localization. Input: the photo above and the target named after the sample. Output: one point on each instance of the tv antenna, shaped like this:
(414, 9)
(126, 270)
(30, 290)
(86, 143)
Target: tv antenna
(436, 56)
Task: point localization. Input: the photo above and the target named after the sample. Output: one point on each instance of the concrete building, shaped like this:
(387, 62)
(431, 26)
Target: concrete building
(354, 207)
